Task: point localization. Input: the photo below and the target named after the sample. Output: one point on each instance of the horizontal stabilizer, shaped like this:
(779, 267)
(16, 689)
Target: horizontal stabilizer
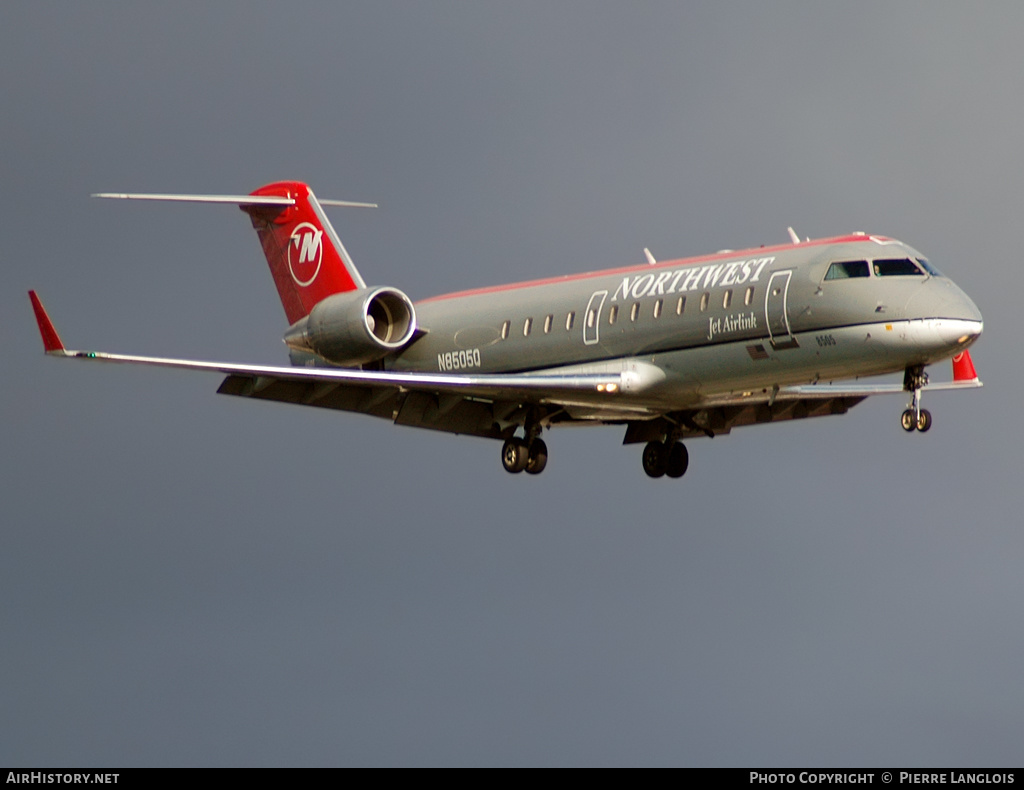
(240, 200)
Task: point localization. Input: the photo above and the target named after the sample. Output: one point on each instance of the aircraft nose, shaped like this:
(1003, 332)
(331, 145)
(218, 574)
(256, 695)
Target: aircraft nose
(945, 319)
(941, 298)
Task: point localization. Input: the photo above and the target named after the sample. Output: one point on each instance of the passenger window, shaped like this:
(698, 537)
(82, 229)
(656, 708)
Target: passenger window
(570, 319)
(748, 297)
(527, 325)
(727, 299)
(504, 330)
(897, 267)
(591, 317)
(704, 299)
(680, 304)
(613, 314)
(657, 308)
(844, 270)
(547, 323)
(634, 311)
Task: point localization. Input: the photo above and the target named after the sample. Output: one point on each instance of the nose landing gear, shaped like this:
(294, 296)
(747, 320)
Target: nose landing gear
(921, 421)
(915, 418)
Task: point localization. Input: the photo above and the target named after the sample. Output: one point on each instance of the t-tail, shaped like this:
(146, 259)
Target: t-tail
(306, 257)
(331, 311)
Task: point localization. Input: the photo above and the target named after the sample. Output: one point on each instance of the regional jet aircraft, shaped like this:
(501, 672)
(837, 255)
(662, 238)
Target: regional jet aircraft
(668, 349)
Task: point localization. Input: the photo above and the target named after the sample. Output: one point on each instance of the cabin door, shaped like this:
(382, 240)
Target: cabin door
(592, 318)
(776, 311)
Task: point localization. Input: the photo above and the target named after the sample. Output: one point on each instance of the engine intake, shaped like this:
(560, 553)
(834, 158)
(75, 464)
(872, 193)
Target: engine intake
(357, 326)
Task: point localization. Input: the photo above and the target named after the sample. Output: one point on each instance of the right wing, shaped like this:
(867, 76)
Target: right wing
(488, 405)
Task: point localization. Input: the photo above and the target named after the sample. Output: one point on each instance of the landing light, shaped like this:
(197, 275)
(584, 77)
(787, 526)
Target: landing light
(610, 387)
(964, 339)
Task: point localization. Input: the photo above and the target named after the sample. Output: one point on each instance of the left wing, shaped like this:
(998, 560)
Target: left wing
(964, 377)
(719, 414)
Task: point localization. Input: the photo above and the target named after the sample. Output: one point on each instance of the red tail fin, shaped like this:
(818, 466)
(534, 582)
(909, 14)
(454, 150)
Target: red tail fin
(305, 255)
(963, 367)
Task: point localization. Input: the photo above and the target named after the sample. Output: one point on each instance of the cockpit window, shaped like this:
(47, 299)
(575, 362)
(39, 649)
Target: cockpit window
(897, 267)
(843, 270)
(929, 268)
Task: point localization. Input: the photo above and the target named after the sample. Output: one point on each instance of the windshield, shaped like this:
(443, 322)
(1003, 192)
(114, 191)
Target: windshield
(843, 270)
(897, 267)
(929, 268)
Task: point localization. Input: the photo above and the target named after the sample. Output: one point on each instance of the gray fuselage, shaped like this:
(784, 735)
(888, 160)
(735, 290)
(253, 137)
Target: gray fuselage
(727, 322)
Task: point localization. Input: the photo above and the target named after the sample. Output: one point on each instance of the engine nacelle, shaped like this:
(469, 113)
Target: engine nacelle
(356, 326)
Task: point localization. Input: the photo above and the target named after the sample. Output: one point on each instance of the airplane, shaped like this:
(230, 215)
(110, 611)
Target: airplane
(670, 350)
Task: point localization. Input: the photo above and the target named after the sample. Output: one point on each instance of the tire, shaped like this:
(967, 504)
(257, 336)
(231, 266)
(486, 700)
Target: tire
(908, 421)
(655, 459)
(537, 457)
(924, 420)
(678, 460)
(514, 456)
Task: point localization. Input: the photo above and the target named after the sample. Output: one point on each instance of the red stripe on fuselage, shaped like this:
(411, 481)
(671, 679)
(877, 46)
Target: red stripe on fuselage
(759, 251)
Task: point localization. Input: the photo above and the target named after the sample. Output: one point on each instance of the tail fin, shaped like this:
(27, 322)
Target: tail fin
(306, 257)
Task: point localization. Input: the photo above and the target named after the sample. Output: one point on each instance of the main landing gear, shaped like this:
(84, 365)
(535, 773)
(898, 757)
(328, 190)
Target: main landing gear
(665, 458)
(915, 418)
(528, 455)
(519, 455)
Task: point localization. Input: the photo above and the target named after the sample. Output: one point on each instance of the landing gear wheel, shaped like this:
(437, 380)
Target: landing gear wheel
(538, 457)
(678, 460)
(924, 420)
(514, 455)
(655, 459)
(909, 421)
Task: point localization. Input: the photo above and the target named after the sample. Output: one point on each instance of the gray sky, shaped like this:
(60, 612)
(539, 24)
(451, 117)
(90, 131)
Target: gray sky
(187, 579)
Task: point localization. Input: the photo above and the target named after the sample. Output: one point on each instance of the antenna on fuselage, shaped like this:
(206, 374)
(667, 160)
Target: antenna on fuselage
(792, 235)
(650, 258)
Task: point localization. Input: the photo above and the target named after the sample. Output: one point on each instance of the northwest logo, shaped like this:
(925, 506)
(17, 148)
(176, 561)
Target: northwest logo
(305, 253)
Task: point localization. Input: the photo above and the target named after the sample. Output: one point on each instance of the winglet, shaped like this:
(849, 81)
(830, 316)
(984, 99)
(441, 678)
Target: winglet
(51, 340)
(963, 367)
